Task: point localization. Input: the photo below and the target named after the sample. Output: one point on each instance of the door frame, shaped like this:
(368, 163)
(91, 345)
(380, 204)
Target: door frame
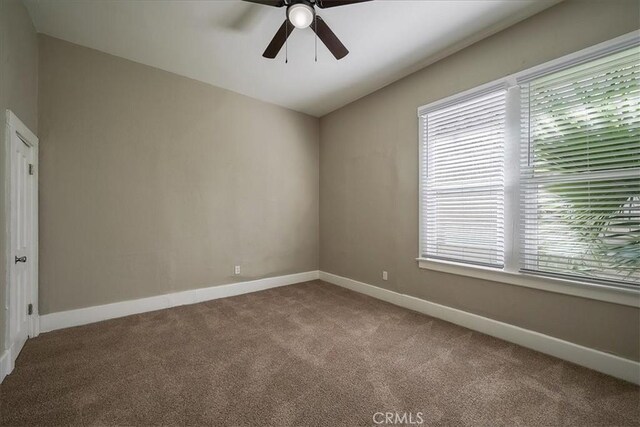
(15, 130)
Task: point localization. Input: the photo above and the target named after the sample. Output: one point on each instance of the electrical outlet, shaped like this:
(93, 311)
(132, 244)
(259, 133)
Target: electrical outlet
(385, 276)
(236, 270)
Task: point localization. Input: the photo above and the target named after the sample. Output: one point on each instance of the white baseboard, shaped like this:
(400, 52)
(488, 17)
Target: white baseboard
(610, 364)
(83, 316)
(5, 364)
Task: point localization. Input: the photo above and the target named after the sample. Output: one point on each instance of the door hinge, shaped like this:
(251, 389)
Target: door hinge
(30, 309)
(31, 169)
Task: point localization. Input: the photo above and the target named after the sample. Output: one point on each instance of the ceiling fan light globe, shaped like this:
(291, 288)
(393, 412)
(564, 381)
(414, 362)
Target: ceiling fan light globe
(300, 15)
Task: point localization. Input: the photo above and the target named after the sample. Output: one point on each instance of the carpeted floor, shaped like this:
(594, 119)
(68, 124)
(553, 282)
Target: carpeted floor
(307, 354)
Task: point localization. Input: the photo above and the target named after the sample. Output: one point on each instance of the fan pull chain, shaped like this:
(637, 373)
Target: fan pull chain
(315, 22)
(286, 42)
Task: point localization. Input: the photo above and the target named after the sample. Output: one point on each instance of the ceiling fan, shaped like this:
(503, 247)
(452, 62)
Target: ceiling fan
(302, 14)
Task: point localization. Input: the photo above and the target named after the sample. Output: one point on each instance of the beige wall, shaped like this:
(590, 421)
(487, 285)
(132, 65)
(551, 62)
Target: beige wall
(152, 183)
(369, 181)
(19, 93)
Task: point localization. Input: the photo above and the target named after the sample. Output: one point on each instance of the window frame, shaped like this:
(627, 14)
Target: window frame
(511, 273)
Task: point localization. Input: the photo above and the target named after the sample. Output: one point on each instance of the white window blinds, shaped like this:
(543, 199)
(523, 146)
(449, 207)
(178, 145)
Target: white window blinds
(462, 181)
(580, 171)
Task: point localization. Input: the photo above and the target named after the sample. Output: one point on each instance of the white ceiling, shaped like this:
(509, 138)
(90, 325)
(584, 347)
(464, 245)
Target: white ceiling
(221, 42)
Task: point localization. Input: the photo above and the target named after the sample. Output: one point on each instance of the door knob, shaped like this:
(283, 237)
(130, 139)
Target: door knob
(21, 259)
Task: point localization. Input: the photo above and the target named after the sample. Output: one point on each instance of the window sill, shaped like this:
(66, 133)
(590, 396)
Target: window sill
(628, 297)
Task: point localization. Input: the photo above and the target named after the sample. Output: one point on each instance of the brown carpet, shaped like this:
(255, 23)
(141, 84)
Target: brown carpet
(307, 354)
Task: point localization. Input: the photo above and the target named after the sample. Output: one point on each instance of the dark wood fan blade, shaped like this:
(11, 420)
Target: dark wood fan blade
(324, 4)
(274, 3)
(329, 39)
(278, 40)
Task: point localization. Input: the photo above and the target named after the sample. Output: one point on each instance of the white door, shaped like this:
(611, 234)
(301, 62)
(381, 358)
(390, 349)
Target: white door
(22, 286)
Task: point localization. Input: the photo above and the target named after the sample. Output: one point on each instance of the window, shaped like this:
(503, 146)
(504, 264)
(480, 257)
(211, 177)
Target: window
(539, 174)
(464, 181)
(581, 171)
